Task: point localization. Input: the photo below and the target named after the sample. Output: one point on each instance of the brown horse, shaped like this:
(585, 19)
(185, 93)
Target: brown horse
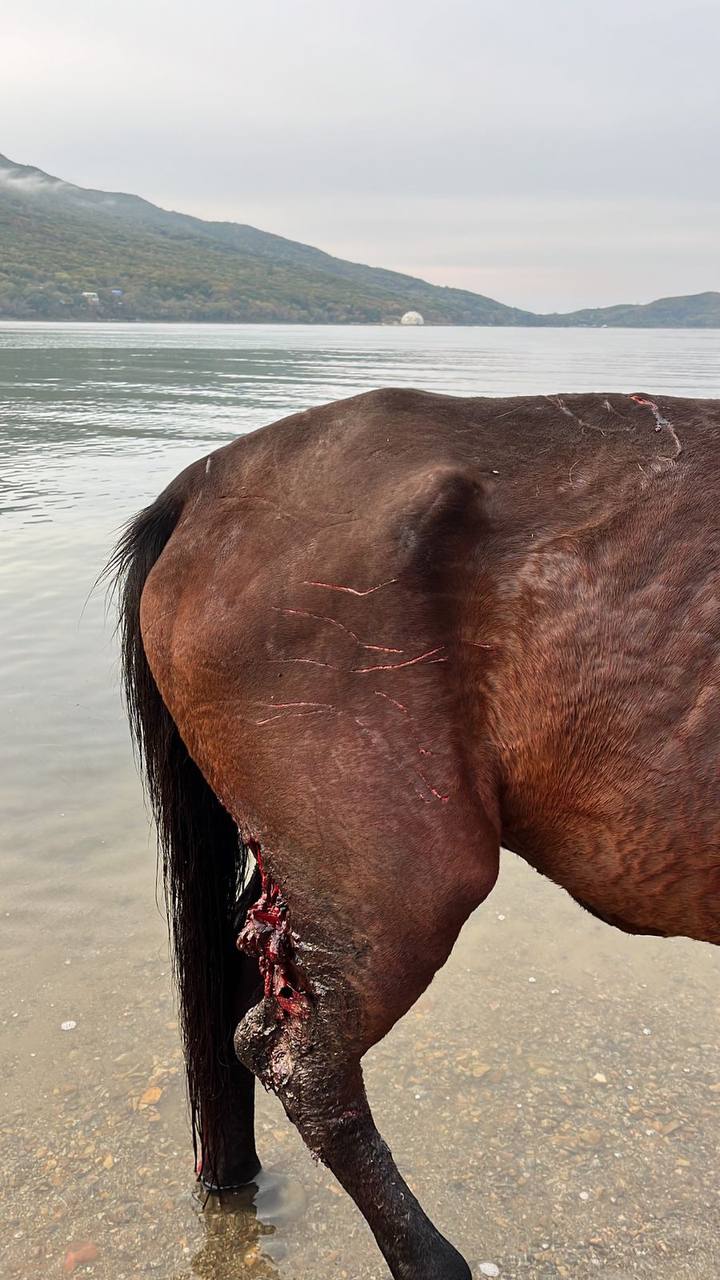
(371, 643)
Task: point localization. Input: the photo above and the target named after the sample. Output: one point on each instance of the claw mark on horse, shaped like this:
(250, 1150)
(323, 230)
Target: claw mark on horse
(321, 617)
(294, 709)
(409, 771)
(409, 662)
(611, 408)
(282, 706)
(310, 662)
(437, 794)
(386, 666)
(400, 705)
(662, 423)
(266, 934)
(561, 405)
(289, 716)
(353, 591)
(422, 751)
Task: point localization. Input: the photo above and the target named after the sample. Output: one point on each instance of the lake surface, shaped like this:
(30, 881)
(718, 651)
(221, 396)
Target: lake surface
(570, 1128)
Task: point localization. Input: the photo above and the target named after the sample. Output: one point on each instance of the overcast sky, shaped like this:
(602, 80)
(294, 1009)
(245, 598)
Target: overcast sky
(549, 153)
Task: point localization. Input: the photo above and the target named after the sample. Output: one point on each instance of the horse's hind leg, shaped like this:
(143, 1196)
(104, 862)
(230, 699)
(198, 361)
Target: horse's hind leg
(326, 1002)
(324, 1096)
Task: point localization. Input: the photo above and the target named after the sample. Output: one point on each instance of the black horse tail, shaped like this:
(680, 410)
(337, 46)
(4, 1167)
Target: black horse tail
(204, 862)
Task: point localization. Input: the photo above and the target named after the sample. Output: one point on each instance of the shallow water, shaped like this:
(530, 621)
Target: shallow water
(554, 1098)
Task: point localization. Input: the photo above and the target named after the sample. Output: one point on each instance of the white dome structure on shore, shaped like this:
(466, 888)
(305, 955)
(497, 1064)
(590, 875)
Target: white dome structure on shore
(412, 317)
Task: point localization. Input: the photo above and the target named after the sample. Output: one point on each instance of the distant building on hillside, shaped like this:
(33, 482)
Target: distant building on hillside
(412, 317)
(91, 298)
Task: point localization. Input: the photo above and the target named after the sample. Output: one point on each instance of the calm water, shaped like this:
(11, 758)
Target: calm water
(553, 1098)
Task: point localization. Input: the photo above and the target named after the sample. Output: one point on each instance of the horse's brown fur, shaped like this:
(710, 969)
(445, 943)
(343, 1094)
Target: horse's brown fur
(400, 630)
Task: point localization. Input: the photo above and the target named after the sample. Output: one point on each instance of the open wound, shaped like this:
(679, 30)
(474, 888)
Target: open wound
(266, 934)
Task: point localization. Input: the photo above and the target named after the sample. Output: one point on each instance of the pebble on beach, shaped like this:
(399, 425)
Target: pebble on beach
(82, 1256)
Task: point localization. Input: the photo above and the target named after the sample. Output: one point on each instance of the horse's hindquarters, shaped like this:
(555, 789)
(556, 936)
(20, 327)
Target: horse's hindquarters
(314, 674)
(312, 671)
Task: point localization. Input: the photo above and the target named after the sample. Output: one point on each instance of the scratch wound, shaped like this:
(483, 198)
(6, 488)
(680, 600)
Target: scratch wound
(661, 423)
(320, 617)
(409, 662)
(291, 715)
(352, 591)
(294, 709)
(309, 662)
(561, 405)
(400, 705)
(411, 773)
(423, 751)
(438, 794)
(278, 706)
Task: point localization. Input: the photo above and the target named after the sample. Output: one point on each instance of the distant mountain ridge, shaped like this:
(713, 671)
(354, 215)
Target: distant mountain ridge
(694, 311)
(69, 252)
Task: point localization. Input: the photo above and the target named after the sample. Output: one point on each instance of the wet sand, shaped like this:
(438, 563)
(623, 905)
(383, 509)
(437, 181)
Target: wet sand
(553, 1099)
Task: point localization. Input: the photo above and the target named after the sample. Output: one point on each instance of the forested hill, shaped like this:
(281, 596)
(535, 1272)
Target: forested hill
(695, 311)
(69, 253)
(59, 242)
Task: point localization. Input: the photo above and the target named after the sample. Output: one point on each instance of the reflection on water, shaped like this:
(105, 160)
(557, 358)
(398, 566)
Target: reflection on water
(553, 1098)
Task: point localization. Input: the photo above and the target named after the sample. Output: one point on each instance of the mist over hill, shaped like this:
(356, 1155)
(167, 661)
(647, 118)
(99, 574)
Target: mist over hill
(69, 253)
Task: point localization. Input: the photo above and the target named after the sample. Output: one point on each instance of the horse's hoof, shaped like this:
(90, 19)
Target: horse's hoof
(274, 1198)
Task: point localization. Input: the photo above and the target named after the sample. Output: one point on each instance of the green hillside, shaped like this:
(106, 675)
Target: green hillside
(696, 311)
(58, 241)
